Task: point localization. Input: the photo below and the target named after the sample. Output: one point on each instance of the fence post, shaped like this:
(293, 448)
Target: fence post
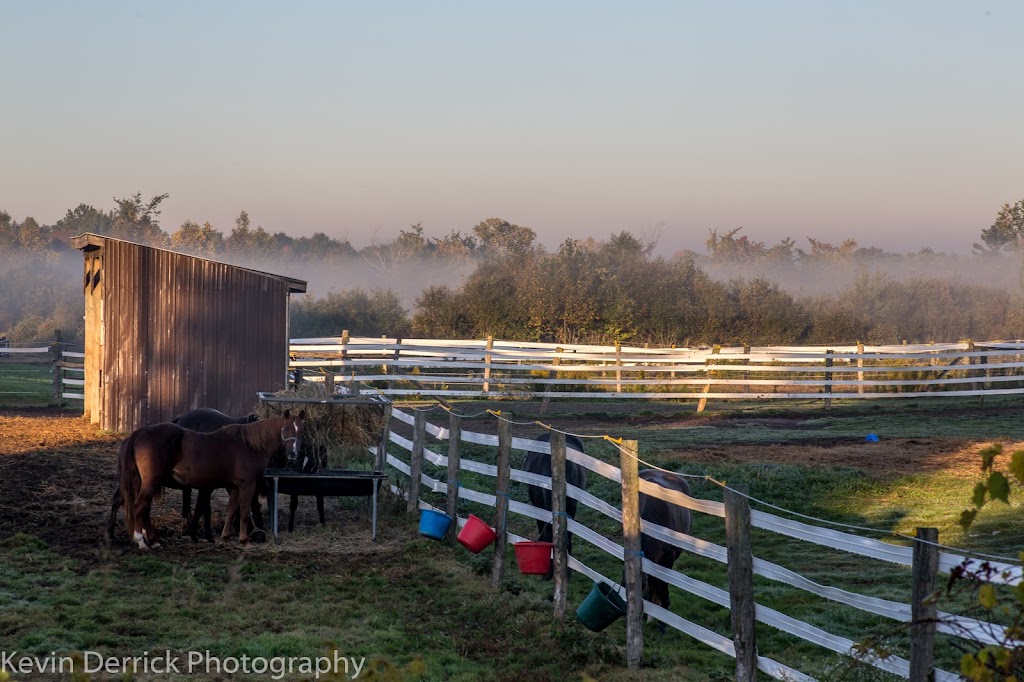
(329, 382)
(988, 373)
(618, 367)
(923, 610)
(828, 380)
(489, 345)
(703, 402)
(552, 374)
(860, 368)
(419, 432)
(382, 447)
(633, 558)
(559, 522)
(56, 369)
(501, 500)
(454, 436)
(746, 372)
(741, 581)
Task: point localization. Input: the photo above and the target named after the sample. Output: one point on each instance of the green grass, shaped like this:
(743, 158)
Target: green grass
(25, 385)
(431, 606)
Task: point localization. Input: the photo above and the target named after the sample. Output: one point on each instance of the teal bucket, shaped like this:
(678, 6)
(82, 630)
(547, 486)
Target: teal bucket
(434, 524)
(602, 607)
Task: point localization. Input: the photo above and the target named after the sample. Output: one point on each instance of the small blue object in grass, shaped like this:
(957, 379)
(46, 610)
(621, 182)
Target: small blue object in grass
(434, 524)
(871, 438)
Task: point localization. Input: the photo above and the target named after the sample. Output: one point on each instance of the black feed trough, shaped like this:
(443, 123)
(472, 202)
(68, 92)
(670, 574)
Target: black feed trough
(328, 482)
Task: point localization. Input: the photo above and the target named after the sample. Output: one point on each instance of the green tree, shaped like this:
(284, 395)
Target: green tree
(1006, 233)
(77, 221)
(198, 240)
(137, 221)
(363, 313)
(503, 239)
(32, 236)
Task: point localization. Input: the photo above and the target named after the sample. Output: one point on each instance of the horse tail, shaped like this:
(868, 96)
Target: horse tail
(130, 480)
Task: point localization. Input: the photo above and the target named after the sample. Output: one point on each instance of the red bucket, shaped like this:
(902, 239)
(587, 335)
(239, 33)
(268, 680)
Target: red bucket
(476, 535)
(534, 558)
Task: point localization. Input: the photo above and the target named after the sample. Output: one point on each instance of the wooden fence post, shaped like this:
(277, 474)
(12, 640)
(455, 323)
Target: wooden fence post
(559, 522)
(382, 447)
(860, 368)
(489, 345)
(618, 367)
(741, 581)
(454, 436)
(633, 558)
(703, 402)
(329, 382)
(419, 432)
(923, 610)
(746, 372)
(501, 500)
(828, 380)
(58, 372)
(969, 361)
(983, 360)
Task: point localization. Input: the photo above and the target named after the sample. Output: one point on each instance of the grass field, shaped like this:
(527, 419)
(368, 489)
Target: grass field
(427, 610)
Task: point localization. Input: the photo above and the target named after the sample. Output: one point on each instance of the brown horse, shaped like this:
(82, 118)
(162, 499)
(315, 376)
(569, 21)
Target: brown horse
(234, 457)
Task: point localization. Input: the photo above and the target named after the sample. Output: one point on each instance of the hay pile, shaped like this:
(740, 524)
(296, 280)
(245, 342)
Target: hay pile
(341, 431)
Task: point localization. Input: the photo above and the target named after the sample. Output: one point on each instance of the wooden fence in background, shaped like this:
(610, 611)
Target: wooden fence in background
(66, 361)
(492, 368)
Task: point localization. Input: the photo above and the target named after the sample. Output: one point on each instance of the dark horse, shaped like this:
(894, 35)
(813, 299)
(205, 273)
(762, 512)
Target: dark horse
(666, 514)
(309, 464)
(540, 463)
(234, 457)
(208, 420)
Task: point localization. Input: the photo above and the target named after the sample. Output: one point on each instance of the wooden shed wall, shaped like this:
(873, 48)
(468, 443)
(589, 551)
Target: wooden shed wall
(182, 332)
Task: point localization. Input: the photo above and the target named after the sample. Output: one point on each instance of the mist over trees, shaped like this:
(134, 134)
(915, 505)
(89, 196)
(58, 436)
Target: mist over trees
(496, 279)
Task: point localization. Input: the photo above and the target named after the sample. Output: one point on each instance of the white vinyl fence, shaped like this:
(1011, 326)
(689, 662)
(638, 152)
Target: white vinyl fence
(494, 369)
(868, 548)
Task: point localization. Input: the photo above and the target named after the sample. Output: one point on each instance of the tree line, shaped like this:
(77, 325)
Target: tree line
(584, 290)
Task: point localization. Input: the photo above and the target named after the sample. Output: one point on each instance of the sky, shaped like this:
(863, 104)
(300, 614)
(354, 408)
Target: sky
(895, 124)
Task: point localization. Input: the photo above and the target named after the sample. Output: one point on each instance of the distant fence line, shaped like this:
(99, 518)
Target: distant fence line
(454, 487)
(66, 360)
(491, 368)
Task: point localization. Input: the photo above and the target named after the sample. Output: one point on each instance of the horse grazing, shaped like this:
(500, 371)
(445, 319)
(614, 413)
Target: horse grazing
(233, 457)
(540, 464)
(309, 464)
(208, 420)
(666, 514)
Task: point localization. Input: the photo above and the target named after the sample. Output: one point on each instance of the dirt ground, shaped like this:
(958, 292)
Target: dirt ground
(59, 474)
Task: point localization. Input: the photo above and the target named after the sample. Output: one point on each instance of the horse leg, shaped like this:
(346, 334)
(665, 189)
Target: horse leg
(320, 509)
(186, 503)
(245, 495)
(292, 506)
(229, 519)
(256, 512)
(115, 503)
(144, 534)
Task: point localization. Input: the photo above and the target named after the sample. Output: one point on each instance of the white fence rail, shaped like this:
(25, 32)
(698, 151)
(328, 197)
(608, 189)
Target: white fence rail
(968, 628)
(66, 366)
(493, 369)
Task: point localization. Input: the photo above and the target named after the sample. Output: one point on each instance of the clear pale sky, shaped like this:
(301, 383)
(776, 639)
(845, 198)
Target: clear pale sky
(897, 124)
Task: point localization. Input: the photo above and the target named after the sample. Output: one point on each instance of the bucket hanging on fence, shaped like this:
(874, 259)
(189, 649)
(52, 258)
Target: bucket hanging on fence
(602, 607)
(434, 524)
(476, 534)
(534, 558)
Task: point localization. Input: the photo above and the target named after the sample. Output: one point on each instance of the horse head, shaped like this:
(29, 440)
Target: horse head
(291, 434)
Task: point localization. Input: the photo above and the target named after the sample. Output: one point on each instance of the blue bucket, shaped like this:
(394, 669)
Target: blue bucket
(434, 524)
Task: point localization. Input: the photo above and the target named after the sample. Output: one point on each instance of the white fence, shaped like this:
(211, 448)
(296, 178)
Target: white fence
(978, 631)
(493, 369)
(66, 366)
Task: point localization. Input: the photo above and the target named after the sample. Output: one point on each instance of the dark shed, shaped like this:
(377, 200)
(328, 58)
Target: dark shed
(166, 332)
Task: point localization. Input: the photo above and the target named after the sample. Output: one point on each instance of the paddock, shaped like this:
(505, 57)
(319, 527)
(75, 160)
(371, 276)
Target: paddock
(924, 463)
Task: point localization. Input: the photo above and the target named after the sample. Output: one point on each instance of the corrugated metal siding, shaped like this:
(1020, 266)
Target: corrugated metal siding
(183, 332)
